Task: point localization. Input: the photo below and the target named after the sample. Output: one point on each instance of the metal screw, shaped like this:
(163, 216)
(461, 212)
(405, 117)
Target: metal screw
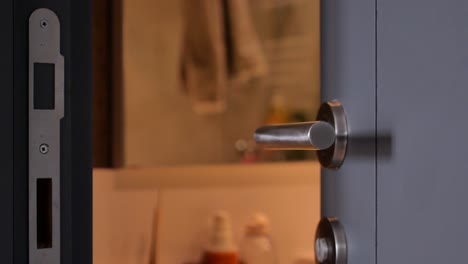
(44, 23)
(322, 249)
(44, 148)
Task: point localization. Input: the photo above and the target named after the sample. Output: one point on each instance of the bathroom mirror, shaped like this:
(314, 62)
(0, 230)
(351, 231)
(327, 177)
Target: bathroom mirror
(186, 82)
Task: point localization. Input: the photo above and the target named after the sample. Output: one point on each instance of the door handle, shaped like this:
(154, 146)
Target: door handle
(328, 135)
(317, 135)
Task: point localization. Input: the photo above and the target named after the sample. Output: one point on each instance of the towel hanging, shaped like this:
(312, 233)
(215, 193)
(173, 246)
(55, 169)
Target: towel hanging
(220, 48)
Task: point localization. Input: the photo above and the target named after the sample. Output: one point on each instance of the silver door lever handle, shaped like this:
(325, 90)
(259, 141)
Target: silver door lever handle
(328, 135)
(316, 135)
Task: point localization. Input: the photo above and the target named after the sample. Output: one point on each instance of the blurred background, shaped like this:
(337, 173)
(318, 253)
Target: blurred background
(179, 88)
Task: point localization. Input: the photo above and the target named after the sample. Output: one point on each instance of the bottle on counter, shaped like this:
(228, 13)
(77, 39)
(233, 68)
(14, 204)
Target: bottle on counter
(257, 245)
(221, 248)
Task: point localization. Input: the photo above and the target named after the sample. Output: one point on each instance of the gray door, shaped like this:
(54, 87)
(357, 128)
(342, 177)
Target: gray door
(422, 93)
(400, 70)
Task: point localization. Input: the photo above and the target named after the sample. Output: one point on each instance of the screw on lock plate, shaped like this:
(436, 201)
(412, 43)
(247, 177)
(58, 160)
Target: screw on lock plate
(44, 148)
(44, 23)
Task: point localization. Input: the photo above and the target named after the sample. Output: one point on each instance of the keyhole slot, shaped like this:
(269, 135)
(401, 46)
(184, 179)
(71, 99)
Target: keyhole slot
(44, 213)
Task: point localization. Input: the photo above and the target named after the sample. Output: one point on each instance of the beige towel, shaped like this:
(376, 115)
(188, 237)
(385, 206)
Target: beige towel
(220, 49)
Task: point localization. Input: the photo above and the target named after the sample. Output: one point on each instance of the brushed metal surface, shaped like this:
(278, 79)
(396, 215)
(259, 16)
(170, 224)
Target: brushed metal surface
(328, 135)
(304, 136)
(334, 114)
(330, 242)
(44, 128)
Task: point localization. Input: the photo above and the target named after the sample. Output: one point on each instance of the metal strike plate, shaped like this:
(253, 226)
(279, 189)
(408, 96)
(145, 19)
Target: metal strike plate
(330, 242)
(46, 109)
